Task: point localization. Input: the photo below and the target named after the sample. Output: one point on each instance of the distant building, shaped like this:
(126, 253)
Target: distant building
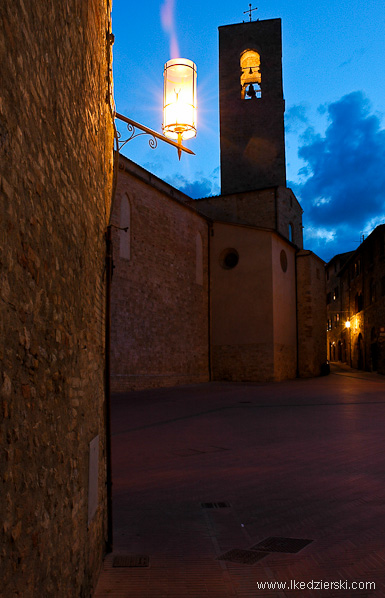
(220, 288)
(356, 305)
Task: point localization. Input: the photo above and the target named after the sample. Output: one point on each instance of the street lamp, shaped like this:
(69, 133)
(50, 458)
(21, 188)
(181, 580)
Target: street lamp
(179, 100)
(348, 326)
(179, 108)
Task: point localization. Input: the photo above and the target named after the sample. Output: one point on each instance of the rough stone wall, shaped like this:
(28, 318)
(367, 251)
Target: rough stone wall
(56, 143)
(273, 208)
(364, 274)
(256, 208)
(289, 212)
(160, 324)
(311, 314)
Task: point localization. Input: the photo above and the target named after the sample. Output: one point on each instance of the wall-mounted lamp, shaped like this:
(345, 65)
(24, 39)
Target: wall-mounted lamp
(347, 324)
(179, 100)
(179, 109)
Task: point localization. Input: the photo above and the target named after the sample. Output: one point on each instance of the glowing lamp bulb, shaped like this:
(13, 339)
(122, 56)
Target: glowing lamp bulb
(179, 99)
(347, 324)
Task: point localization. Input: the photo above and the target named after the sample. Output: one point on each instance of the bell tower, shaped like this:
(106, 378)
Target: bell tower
(251, 106)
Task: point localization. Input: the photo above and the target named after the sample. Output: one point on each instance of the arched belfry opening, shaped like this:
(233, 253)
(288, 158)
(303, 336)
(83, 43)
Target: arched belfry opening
(250, 62)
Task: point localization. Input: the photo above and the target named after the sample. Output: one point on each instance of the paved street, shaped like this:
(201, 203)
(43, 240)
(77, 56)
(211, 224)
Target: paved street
(302, 459)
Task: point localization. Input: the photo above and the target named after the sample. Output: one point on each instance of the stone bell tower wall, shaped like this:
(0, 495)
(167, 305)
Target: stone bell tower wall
(251, 130)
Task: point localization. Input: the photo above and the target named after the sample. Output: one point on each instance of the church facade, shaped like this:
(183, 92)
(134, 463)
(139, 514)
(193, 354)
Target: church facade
(220, 288)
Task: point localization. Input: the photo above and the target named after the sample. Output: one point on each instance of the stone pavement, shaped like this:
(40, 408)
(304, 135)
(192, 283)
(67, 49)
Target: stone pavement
(301, 459)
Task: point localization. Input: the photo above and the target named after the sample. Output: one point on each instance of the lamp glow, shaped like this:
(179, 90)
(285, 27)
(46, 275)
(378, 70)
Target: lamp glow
(347, 324)
(179, 99)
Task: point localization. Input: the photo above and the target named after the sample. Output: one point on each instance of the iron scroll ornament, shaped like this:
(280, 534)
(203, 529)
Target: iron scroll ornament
(132, 125)
(152, 142)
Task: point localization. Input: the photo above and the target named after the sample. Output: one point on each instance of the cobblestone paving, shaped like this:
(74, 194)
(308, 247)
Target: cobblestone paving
(301, 459)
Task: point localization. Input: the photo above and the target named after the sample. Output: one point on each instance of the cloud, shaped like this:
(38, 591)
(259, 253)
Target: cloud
(200, 187)
(343, 180)
(295, 118)
(168, 23)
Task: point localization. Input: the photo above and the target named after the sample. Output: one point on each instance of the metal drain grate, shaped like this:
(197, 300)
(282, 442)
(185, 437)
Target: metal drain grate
(215, 505)
(277, 544)
(245, 557)
(131, 560)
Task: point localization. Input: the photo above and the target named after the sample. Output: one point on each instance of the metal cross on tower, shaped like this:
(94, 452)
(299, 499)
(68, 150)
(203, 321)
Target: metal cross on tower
(249, 11)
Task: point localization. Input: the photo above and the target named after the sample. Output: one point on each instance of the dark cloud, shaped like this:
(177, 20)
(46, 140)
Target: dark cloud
(201, 187)
(343, 191)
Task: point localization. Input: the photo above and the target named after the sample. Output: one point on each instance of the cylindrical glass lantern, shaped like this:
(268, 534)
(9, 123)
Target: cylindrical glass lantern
(179, 99)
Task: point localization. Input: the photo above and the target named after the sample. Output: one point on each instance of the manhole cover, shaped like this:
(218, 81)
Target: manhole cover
(215, 505)
(245, 557)
(131, 560)
(277, 544)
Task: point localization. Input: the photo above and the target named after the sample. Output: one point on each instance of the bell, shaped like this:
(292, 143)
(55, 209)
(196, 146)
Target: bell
(251, 91)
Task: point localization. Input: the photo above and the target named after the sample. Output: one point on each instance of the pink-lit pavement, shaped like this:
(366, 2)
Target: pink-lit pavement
(300, 459)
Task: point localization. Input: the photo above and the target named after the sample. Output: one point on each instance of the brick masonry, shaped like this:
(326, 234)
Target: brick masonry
(56, 142)
(160, 325)
(274, 208)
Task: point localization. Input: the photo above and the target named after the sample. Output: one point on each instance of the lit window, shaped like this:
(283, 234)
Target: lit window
(250, 75)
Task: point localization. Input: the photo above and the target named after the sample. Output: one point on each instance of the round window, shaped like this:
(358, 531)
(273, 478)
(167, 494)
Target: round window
(229, 258)
(283, 258)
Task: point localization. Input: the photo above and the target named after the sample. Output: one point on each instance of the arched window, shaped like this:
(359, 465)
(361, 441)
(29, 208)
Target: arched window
(250, 75)
(125, 222)
(291, 232)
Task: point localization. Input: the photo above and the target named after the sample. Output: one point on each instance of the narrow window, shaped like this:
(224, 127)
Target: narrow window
(372, 291)
(125, 223)
(358, 302)
(291, 232)
(250, 75)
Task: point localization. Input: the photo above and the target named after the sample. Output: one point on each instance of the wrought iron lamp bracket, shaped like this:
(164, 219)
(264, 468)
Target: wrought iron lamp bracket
(136, 129)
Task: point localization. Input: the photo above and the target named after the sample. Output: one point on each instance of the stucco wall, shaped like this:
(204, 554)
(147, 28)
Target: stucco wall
(56, 142)
(160, 322)
(311, 314)
(284, 309)
(242, 318)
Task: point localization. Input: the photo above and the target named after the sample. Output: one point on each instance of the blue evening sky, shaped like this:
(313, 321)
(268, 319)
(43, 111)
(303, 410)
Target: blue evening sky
(333, 75)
